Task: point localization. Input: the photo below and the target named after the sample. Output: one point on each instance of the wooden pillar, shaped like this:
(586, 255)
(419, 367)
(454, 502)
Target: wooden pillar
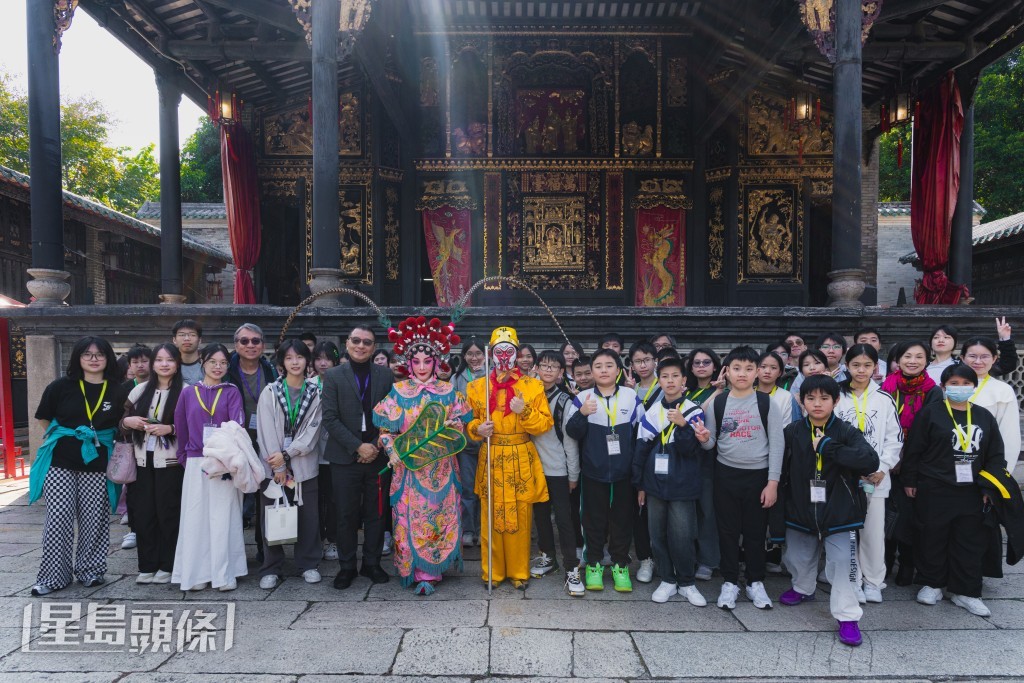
(961, 238)
(171, 290)
(847, 278)
(49, 285)
(326, 245)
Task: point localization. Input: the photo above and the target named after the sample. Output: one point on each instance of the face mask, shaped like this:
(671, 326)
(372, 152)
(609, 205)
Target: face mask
(504, 356)
(959, 394)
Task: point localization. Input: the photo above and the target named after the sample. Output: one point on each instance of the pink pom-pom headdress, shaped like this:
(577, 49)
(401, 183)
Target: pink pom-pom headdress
(417, 334)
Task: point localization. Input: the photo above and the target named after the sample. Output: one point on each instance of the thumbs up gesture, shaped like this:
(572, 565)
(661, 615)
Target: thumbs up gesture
(517, 404)
(589, 406)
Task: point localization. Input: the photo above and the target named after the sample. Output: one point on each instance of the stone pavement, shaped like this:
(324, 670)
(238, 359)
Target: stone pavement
(385, 634)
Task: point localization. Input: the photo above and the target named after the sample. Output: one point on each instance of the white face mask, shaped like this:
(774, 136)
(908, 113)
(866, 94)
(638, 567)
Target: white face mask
(958, 394)
(503, 355)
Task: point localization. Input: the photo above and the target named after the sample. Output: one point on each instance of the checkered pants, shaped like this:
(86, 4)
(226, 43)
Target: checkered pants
(74, 497)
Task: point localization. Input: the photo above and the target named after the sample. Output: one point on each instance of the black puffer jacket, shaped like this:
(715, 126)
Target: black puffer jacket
(845, 457)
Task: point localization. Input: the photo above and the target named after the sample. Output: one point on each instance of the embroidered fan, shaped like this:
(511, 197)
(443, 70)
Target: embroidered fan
(428, 439)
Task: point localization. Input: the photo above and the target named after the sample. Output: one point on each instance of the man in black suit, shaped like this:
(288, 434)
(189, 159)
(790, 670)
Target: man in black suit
(350, 392)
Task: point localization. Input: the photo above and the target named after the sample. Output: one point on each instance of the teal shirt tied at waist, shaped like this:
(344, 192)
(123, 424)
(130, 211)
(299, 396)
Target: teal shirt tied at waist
(85, 434)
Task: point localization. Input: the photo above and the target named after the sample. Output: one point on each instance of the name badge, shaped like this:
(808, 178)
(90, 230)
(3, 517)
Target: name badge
(151, 443)
(614, 447)
(207, 431)
(661, 463)
(252, 421)
(817, 491)
(287, 442)
(964, 475)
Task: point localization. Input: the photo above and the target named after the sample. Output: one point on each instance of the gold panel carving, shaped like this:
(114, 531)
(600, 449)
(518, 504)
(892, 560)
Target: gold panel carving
(391, 233)
(666, 192)
(716, 232)
(554, 234)
(521, 164)
(19, 365)
(771, 237)
(289, 132)
(636, 141)
(675, 88)
(350, 129)
(445, 192)
(767, 134)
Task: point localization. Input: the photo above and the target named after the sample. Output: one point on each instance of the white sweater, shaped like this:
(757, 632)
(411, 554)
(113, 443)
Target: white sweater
(1001, 400)
(881, 429)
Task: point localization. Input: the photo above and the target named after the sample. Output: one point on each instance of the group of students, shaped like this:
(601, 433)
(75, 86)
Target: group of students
(697, 463)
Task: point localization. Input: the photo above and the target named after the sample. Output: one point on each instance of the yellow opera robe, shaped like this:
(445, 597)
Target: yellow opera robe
(517, 478)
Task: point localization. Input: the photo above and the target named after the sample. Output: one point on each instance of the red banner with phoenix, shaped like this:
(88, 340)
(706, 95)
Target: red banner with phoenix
(660, 257)
(447, 232)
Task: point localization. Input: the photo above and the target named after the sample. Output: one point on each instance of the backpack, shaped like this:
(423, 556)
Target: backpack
(764, 403)
(558, 412)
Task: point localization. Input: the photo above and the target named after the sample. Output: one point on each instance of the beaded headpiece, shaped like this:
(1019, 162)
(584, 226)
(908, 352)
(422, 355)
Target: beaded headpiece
(417, 334)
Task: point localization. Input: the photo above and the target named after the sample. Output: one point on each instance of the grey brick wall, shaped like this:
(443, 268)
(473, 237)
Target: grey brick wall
(893, 242)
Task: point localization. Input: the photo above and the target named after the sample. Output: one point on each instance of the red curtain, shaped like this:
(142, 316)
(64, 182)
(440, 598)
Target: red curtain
(447, 232)
(935, 182)
(241, 197)
(660, 257)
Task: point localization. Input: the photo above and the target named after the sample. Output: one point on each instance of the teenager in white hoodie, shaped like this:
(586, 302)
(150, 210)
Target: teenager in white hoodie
(873, 412)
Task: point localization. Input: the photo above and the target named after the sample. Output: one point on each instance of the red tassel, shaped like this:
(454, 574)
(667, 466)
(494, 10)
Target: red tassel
(883, 116)
(899, 153)
(817, 112)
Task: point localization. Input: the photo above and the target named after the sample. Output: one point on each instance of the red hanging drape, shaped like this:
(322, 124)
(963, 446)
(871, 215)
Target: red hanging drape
(447, 230)
(660, 257)
(935, 181)
(241, 197)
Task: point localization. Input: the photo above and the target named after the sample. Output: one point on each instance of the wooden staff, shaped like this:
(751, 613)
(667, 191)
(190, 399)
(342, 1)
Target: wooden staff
(490, 503)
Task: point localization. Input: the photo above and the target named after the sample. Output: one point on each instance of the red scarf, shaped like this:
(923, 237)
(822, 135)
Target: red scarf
(507, 385)
(909, 393)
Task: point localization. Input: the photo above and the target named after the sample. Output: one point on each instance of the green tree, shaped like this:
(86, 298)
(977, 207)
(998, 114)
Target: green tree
(200, 165)
(90, 166)
(894, 181)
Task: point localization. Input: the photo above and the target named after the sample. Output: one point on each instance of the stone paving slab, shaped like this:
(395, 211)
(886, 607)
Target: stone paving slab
(12, 583)
(531, 652)
(594, 615)
(162, 677)
(330, 678)
(18, 549)
(78, 677)
(605, 654)
(1006, 614)
(363, 650)
(443, 651)
(294, 588)
(451, 613)
(81, 661)
(451, 588)
(887, 616)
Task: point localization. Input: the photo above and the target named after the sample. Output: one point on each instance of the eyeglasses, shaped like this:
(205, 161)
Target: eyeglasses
(93, 356)
(702, 363)
(830, 347)
(187, 335)
(217, 363)
(795, 342)
(359, 341)
(547, 367)
(783, 354)
(643, 361)
(983, 359)
(246, 341)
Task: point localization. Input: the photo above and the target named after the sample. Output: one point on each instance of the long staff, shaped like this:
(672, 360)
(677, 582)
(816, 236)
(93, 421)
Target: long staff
(490, 503)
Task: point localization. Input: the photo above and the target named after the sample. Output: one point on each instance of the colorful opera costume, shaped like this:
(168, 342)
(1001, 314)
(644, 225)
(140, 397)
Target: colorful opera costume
(421, 425)
(518, 409)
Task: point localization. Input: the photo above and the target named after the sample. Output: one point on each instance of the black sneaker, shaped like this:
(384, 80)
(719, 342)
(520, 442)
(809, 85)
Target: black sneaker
(543, 565)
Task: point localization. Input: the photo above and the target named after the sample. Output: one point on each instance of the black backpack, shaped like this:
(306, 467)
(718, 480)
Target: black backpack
(764, 403)
(558, 412)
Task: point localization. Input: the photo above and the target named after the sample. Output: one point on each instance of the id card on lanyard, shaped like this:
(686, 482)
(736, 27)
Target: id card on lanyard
(964, 473)
(208, 428)
(90, 412)
(293, 415)
(614, 447)
(661, 457)
(817, 484)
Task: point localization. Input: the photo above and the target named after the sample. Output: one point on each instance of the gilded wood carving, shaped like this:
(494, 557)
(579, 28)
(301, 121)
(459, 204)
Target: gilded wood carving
(771, 237)
(767, 135)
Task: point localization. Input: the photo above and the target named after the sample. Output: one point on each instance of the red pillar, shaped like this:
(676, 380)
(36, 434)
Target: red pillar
(6, 399)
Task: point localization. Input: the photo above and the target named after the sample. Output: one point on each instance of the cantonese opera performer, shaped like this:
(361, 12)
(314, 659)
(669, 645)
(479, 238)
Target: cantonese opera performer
(517, 410)
(425, 489)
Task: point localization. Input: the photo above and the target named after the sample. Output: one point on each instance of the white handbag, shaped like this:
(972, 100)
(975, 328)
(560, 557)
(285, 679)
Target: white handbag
(281, 522)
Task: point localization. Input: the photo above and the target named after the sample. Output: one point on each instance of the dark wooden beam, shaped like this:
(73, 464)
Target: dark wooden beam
(890, 52)
(244, 50)
(272, 14)
(759, 64)
(372, 61)
(895, 9)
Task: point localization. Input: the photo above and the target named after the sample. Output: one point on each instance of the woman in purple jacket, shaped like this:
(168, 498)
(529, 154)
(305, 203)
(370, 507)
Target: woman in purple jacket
(210, 549)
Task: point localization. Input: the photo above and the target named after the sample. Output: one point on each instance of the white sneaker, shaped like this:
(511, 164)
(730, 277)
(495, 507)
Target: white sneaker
(973, 605)
(692, 596)
(703, 573)
(467, 539)
(574, 584)
(129, 541)
(772, 568)
(269, 582)
(331, 551)
(145, 577)
(663, 592)
(124, 519)
(872, 594)
(311, 576)
(387, 544)
(162, 577)
(199, 587)
(646, 571)
(727, 598)
(862, 597)
(759, 596)
(929, 596)
(231, 585)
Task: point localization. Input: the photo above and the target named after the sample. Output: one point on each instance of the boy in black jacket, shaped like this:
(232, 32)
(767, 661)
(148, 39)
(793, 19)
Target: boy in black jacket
(824, 504)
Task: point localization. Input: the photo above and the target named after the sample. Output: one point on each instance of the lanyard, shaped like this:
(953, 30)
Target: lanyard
(363, 386)
(319, 383)
(248, 389)
(696, 395)
(817, 454)
(650, 390)
(156, 408)
(293, 413)
(666, 434)
(91, 412)
(611, 412)
(203, 405)
(964, 437)
(861, 413)
(899, 406)
(772, 392)
(977, 391)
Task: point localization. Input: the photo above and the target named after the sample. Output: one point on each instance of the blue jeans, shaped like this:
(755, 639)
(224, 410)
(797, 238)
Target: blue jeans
(673, 526)
(470, 501)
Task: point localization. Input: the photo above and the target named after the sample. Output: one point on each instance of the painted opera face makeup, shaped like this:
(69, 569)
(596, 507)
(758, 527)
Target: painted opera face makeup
(422, 366)
(504, 357)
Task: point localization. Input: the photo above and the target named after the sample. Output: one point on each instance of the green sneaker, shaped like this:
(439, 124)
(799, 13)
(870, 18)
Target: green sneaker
(620, 575)
(595, 577)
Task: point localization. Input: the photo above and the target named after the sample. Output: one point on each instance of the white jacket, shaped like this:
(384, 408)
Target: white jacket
(881, 429)
(228, 450)
(1001, 400)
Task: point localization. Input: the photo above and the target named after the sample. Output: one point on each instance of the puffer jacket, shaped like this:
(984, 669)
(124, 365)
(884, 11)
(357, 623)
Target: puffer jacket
(228, 450)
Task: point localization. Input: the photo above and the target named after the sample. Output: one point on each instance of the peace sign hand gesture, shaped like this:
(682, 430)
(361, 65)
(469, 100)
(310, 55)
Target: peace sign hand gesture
(1003, 329)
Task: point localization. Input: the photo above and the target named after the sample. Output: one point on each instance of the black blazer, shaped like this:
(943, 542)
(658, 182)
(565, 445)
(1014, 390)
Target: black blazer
(343, 411)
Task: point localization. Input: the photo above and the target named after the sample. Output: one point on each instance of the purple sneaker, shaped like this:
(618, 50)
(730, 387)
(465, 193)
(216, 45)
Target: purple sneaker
(794, 597)
(849, 633)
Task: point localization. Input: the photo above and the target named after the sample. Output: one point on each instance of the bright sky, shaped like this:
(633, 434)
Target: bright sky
(93, 63)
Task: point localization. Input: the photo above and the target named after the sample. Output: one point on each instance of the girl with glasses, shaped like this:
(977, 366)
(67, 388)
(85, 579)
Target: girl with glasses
(833, 345)
(998, 397)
